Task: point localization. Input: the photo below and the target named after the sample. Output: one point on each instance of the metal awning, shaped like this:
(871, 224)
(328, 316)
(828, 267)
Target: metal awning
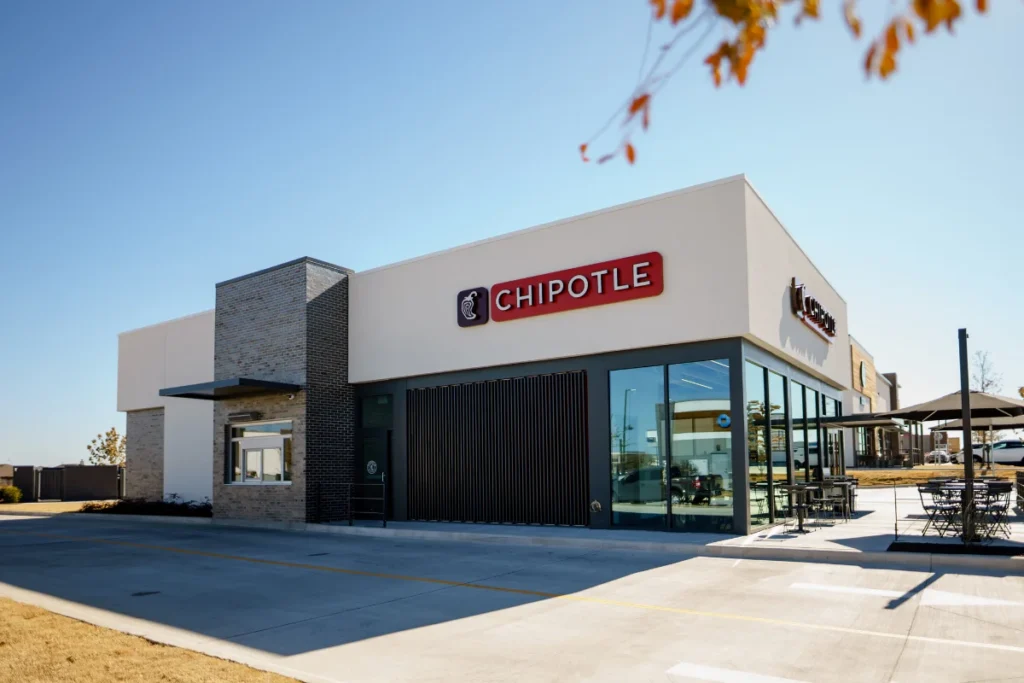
(868, 420)
(236, 387)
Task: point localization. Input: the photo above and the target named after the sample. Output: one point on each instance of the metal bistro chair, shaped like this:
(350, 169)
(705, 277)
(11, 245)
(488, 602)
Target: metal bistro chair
(835, 497)
(939, 508)
(819, 505)
(992, 505)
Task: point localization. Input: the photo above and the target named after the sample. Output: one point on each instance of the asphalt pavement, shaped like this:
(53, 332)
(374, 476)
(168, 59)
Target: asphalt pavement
(345, 608)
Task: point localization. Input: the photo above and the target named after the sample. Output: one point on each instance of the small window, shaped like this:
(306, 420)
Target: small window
(261, 453)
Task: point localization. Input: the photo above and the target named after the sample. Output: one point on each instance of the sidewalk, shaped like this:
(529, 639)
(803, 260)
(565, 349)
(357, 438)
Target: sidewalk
(862, 541)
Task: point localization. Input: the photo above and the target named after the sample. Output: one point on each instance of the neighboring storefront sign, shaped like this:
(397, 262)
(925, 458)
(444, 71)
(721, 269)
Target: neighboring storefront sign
(608, 282)
(811, 311)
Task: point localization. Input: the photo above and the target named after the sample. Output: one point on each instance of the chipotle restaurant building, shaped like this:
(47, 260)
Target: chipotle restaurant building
(657, 365)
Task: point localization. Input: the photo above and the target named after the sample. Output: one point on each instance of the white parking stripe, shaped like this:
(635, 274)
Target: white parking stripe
(711, 673)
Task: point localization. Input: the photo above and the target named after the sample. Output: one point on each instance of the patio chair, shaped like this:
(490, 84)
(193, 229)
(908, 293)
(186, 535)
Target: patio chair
(820, 506)
(993, 508)
(939, 508)
(759, 499)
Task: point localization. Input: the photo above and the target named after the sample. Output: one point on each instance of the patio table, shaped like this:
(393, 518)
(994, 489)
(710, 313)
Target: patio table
(801, 492)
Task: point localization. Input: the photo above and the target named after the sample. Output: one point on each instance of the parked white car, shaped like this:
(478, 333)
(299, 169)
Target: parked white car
(937, 457)
(1008, 452)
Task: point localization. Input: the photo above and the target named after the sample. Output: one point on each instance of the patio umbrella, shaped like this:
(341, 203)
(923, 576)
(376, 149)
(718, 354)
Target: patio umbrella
(948, 407)
(995, 423)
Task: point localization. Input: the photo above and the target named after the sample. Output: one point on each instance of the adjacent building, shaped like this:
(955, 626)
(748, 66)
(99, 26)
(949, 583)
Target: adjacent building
(662, 364)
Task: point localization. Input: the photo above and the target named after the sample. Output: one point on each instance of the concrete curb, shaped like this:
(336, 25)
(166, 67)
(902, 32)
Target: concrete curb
(910, 561)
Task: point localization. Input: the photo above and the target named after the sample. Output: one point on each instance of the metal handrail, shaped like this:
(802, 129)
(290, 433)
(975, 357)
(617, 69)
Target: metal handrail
(382, 499)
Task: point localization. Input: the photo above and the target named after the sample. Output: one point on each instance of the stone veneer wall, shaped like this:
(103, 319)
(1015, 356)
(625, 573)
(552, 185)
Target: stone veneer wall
(280, 503)
(144, 464)
(289, 324)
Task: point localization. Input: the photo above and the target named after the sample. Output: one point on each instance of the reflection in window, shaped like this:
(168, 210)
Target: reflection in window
(260, 453)
(637, 422)
(757, 443)
(701, 438)
(833, 439)
(236, 462)
(777, 397)
(796, 405)
(272, 464)
(813, 455)
(252, 463)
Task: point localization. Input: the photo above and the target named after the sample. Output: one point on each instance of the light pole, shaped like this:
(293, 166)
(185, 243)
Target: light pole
(625, 413)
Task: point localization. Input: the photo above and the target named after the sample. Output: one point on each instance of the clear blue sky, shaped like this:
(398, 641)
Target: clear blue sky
(149, 150)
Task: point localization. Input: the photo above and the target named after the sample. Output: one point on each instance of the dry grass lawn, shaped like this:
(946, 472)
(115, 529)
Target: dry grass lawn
(37, 646)
(54, 506)
(919, 475)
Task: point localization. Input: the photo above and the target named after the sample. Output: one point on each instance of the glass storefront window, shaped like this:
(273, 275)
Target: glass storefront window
(639, 492)
(835, 463)
(813, 450)
(701, 446)
(796, 406)
(779, 453)
(757, 442)
(686, 468)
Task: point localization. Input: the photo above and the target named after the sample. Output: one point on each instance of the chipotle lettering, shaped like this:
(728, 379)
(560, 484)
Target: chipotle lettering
(608, 282)
(811, 311)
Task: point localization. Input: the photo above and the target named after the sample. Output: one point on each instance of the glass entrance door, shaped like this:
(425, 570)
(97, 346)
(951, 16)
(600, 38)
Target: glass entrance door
(373, 472)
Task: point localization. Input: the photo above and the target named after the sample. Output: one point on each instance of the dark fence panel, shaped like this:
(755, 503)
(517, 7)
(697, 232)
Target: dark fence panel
(504, 451)
(26, 478)
(91, 482)
(51, 483)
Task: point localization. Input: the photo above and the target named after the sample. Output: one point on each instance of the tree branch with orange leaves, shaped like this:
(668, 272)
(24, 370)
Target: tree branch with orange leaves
(746, 24)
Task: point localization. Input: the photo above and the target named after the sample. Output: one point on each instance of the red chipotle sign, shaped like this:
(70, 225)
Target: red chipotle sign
(609, 282)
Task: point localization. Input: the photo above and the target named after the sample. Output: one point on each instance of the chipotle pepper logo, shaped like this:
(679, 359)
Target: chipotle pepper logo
(608, 282)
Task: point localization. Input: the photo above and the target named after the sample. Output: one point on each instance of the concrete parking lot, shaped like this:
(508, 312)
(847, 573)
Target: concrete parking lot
(372, 609)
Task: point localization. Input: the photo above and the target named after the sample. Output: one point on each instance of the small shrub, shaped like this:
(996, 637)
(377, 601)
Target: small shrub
(138, 506)
(10, 494)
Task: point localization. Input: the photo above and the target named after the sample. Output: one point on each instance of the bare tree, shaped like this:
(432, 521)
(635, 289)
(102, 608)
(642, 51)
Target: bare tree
(985, 378)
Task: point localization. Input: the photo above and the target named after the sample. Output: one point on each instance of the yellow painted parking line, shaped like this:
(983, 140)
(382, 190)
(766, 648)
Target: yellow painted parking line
(572, 597)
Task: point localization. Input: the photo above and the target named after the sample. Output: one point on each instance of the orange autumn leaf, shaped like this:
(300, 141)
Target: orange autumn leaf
(637, 104)
(869, 59)
(681, 9)
(887, 65)
(850, 14)
(892, 39)
(982, 6)
(630, 153)
(659, 8)
(909, 26)
(583, 152)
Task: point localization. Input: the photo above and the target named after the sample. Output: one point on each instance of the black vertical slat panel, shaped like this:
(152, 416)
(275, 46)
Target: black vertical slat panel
(511, 450)
(562, 435)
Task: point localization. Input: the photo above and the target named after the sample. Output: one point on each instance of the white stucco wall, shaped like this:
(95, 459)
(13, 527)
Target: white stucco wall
(728, 264)
(774, 258)
(402, 318)
(168, 354)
